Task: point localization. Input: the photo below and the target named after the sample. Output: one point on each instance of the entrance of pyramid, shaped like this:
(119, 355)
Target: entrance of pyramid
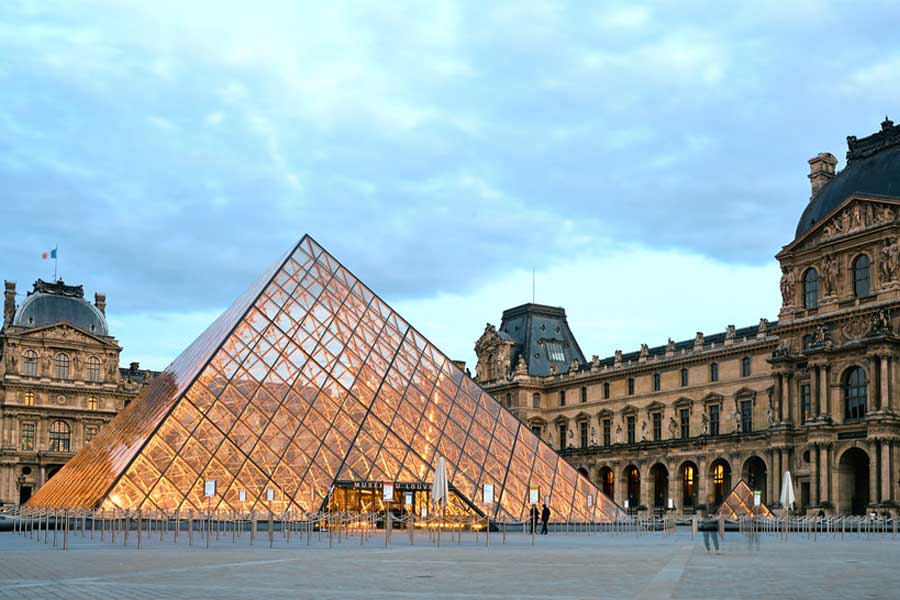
(410, 502)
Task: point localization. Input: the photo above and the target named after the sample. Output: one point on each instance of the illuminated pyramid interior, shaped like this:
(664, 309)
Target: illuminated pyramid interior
(739, 503)
(307, 381)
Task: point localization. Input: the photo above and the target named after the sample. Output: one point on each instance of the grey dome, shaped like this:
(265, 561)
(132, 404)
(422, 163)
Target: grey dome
(46, 306)
(873, 169)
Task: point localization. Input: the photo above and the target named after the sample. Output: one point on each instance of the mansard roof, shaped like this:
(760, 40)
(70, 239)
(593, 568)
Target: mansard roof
(533, 328)
(873, 169)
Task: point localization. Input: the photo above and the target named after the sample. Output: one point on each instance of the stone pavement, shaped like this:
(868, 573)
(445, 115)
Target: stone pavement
(560, 566)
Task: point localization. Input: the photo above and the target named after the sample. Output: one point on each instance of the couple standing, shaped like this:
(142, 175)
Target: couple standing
(544, 515)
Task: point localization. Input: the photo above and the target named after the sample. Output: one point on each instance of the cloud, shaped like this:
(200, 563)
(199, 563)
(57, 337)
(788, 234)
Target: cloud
(172, 150)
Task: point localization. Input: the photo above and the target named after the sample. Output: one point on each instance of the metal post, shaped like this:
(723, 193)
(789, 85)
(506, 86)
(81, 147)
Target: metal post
(271, 528)
(140, 528)
(66, 530)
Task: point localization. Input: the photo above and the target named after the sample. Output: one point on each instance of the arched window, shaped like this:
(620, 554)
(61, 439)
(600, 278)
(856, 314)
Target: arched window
(93, 369)
(94, 404)
(62, 366)
(811, 289)
(861, 278)
(688, 485)
(714, 372)
(684, 377)
(28, 399)
(656, 382)
(30, 363)
(855, 393)
(59, 436)
(535, 400)
(607, 481)
(633, 480)
(631, 386)
(745, 366)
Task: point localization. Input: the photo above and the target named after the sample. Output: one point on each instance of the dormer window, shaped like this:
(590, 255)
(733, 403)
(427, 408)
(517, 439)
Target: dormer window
(555, 352)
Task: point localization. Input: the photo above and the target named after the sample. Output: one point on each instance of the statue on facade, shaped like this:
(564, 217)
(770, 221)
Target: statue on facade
(617, 361)
(595, 362)
(549, 437)
(645, 352)
(881, 323)
(644, 434)
(737, 421)
(830, 275)
(45, 362)
(704, 424)
(787, 286)
(729, 334)
(594, 436)
(857, 217)
(11, 361)
(570, 437)
(670, 347)
(673, 427)
(618, 434)
(770, 414)
(521, 366)
(698, 340)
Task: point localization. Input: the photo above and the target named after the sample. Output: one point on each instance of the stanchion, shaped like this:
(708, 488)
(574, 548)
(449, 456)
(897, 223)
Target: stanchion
(190, 527)
(140, 527)
(66, 530)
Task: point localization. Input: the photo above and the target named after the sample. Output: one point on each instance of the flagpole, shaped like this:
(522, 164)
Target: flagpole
(55, 261)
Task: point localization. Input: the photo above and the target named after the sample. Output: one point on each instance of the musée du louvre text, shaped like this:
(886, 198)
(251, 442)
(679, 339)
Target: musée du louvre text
(307, 383)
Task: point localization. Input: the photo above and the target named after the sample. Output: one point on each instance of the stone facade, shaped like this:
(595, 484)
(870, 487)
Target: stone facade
(816, 393)
(59, 383)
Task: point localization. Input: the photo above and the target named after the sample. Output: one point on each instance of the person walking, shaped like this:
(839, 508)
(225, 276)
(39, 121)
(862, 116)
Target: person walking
(545, 518)
(533, 518)
(710, 528)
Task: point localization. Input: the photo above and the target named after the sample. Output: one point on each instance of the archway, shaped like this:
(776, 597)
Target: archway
(607, 481)
(633, 482)
(854, 481)
(754, 473)
(660, 475)
(720, 472)
(689, 485)
(584, 473)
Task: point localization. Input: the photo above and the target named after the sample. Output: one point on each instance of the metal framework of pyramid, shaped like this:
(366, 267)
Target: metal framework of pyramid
(307, 379)
(739, 503)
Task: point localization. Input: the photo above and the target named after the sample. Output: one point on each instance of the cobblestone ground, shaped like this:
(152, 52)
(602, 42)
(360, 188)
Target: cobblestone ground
(559, 566)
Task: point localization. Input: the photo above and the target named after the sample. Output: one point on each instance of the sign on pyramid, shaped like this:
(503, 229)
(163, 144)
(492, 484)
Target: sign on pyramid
(739, 503)
(307, 383)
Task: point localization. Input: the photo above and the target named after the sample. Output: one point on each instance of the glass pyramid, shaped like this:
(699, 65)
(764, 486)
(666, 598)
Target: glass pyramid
(306, 380)
(739, 503)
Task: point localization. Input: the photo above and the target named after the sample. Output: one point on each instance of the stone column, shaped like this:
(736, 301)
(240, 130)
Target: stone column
(703, 487)
(828, 410)
(43, 476)
(779, 395)
(874, 476)
(778, 474)
(790, 397)
(814, 478)
(885, 375)
(646, 487)
(886, 484)
(770, 475)
(873, 392)
(828, 467)
(815, 409)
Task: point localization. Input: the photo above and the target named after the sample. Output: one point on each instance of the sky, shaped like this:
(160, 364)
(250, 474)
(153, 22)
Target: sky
(645, 160)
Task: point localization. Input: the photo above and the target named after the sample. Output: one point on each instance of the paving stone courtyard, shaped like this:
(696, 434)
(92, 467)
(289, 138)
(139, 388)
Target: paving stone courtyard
(559, 566)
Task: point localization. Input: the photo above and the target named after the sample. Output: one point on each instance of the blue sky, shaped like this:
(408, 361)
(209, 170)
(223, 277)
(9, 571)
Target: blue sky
(646, 159)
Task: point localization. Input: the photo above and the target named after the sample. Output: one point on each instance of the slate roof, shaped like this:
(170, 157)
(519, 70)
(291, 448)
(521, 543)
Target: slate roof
(873, 169)
(50, 303)
(532, 327)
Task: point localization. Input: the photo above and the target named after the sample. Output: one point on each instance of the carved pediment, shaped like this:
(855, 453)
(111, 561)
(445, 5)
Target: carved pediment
(65, 333)
(854, 216)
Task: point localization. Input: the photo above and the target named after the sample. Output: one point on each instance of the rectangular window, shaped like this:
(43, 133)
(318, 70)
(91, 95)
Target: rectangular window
(607, 432)
(555, 352)
(563, 430)
(535, 400)
(27, 435)
(583, 394)
(746, 416)
(684, 377)
(584, 434)
(745, 366)
(536, 430)
(89, 432)
(685, 423)
(657, 426)
(714, 419)
(630, 424)
(656, 382)
(805, 402)
(606, 391)
(714, 372)
(631, 386)
(562, 397)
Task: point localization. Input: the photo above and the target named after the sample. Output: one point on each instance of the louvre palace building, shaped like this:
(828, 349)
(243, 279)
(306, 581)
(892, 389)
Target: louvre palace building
(60, 382)
(816, 392)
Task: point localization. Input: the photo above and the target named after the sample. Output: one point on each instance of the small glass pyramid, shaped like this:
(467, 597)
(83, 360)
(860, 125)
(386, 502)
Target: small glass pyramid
(739, 503)
(309, 379)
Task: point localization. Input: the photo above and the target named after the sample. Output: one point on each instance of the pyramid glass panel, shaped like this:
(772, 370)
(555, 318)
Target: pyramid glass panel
(308, 385)
(740, 503)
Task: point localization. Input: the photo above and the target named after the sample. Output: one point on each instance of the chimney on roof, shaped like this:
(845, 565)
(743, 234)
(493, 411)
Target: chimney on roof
(9, 302)
(100, 302)
(134, 367)
(821, 170)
